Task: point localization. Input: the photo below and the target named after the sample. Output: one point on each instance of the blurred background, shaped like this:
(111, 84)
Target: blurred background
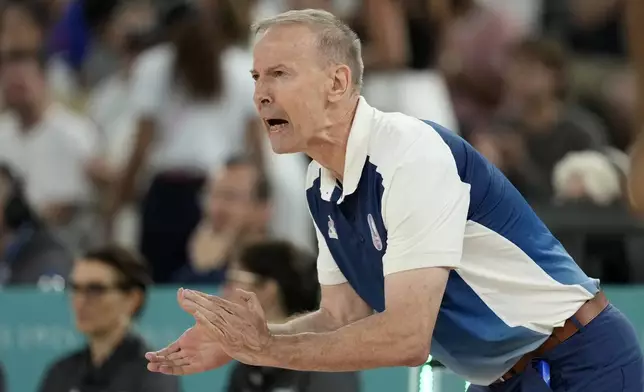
(131, 123)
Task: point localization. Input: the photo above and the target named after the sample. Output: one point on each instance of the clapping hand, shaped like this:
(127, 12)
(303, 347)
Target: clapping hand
(238, 325)
(194, 352)
(223, 330)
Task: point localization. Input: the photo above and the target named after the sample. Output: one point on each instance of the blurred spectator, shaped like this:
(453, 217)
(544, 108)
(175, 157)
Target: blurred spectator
(400, 48)
(285, 282)
(48, 145)
(75, 43)
(192, 114)
(3, 381)
(101, 56)
(127, 33)
(108, 288)
(473, 58)
(236, 211)
(29, 253)
(536, 127)
(594, 32)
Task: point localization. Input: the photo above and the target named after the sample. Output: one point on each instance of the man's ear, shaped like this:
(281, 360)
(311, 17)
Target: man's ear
(340, 82)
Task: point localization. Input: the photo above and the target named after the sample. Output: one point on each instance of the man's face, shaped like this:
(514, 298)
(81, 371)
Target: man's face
(291, 85)
(21, 75)
(528, 79)
(231, 200)
(98, 300)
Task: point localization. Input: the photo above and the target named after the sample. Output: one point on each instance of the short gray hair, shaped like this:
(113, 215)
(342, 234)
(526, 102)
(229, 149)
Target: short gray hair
(335, 39)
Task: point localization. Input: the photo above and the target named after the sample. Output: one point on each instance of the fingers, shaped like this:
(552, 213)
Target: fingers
(159, 356)
(250, 300)
(172, 364)
(210, 302)
(171, 370)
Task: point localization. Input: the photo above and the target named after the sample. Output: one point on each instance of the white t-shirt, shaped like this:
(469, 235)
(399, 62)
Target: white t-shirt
(51, 157)
(191, 135)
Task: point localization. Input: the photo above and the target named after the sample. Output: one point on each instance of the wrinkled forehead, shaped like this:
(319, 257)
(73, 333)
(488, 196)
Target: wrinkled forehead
(288, 44)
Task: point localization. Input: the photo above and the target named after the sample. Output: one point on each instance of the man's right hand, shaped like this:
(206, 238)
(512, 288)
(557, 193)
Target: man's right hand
(194, 352)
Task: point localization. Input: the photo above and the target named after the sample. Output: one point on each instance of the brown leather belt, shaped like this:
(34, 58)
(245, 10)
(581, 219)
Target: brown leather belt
(588, 311)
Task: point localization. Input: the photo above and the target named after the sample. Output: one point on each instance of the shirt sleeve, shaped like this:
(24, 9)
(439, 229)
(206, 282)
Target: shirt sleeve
(425, 209)
(329, 273)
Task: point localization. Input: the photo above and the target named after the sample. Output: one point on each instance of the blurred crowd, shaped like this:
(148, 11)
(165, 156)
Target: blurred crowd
(131, 122)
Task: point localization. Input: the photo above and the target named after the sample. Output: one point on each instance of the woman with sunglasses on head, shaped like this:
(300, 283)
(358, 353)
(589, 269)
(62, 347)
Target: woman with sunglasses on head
(107, 288)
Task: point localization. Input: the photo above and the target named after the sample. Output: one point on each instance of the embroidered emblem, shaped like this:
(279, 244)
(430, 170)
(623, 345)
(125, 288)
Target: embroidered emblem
(332, 232)
(375, 237)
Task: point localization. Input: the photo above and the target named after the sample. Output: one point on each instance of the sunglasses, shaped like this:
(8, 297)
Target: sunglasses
(93, 290)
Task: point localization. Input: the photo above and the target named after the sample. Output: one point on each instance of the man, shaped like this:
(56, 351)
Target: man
(237, 211)
(536, 127)
(47, 144)
(636, 34)
(422, 245)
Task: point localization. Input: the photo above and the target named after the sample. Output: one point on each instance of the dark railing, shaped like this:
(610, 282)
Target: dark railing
(607, 242)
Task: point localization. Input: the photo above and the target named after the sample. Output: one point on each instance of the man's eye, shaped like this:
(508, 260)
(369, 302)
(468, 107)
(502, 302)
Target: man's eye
(278, 74)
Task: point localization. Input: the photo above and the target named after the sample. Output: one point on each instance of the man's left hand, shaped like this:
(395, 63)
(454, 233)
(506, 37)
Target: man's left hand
(239, 324)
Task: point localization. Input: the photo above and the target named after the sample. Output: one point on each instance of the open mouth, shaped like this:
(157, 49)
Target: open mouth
(276, 124)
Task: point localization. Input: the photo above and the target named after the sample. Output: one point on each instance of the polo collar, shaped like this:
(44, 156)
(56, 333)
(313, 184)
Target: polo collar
(355, 156)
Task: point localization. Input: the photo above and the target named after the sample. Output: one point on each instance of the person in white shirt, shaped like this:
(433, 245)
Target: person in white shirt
(193, 113)
(45, 143)
(129, 31)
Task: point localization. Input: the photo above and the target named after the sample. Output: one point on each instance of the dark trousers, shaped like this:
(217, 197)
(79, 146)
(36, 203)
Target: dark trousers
(604, 356)
(169, 214)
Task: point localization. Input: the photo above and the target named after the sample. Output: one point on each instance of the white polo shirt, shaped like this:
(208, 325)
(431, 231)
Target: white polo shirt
(52, 156)
(191, 134)
(416, 195)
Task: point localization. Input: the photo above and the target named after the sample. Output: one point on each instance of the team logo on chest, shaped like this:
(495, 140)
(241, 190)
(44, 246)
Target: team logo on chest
(375, 237)
(332, 232)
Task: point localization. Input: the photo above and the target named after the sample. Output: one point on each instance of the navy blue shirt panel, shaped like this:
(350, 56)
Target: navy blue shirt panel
(355, 251)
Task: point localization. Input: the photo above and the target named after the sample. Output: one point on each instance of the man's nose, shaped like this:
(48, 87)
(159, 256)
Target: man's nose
(262, 96)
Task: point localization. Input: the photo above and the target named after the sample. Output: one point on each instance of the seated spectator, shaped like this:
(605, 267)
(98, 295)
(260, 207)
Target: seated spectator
(108, 288)
(285, 281)
(473, 58)
(594, 32)
(237, 211)
(45, 143)
(127, 33)
(192, 113)
(29, 253)
(536, 127)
